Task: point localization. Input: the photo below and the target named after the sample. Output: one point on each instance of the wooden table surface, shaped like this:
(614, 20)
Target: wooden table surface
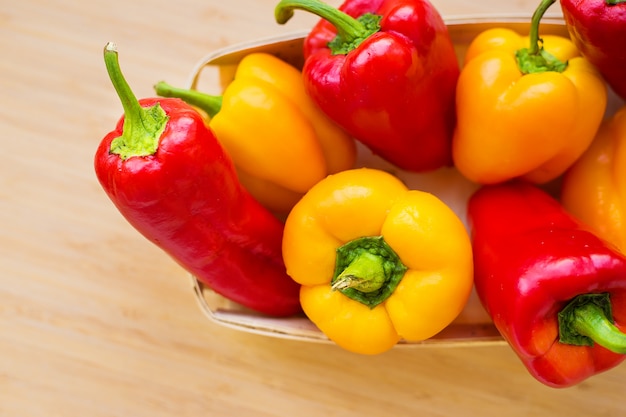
(95, 321)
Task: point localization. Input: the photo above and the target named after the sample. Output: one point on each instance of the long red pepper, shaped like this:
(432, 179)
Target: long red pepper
(555, 291)
(170, 178)
(386, 71)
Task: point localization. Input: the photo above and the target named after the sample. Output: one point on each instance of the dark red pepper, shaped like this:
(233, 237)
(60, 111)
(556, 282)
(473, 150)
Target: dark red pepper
(170, 178)
(386, 71)
(598, 29)
(555, 291)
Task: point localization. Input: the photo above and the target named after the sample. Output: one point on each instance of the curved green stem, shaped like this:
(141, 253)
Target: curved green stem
(367, 270)
(535, 59)
(210, 104)
(132, 110)
(588, 320)
(350, 31)
(534, 25)
(142, 126)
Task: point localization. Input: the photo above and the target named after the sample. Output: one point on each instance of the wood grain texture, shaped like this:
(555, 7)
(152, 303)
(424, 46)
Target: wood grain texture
(95, 321)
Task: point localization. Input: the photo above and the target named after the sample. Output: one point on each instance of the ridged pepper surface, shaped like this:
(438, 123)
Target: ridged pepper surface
(386, 71)
(527, 107)
(377, 262)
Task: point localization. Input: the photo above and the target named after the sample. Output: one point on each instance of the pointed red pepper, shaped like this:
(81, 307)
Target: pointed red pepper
(555, 291)
(598, 29)
(386, 71)
(170, 178)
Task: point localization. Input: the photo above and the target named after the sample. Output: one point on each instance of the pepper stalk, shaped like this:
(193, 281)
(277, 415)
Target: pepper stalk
(587, 319)
(350, 31)
(208, 103)
(143, 126)
(367, 270)
(535, 58)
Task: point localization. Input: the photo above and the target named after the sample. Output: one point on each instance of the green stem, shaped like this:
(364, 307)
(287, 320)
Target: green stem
(613, 2)
(587, 320)
(350, 31)
(536, 59)
(534, 25)
(142, 126)
(365, 273)
(210, 104)
(367, 270)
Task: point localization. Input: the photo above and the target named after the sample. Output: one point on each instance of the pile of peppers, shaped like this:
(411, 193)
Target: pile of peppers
(255, 190)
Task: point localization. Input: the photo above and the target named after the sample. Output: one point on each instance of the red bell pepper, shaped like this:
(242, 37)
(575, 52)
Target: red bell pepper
(168, 176)
(555, 291)
(598, 29)
(386, 71)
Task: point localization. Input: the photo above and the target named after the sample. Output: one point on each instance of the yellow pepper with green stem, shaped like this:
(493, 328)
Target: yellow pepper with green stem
(594, 188)
(377, 262)
(527, 107)
(280, 142)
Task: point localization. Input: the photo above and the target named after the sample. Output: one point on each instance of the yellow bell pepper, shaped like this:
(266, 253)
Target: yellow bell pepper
(524, 112)
(281, 143)
(377, 262)
(594, 188)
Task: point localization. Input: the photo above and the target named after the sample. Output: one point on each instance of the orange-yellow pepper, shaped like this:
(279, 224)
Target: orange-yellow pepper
(280, 142)
(594, 188)
(520, 119)
(377, 262)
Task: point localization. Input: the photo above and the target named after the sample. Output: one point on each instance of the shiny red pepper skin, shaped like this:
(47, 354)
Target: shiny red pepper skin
(187, 200)
(598, 30)
(531, 258)
(395, 91)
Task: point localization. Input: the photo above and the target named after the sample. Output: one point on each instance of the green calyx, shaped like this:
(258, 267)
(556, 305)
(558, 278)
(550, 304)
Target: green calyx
(535, 59)
(367, 270)
(350, 31)
(541, 61)
(341, 45)
(588, 319)
(210, 104)
(143, 126)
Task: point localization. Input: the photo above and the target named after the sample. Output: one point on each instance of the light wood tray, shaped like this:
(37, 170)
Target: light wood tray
(473, 327)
